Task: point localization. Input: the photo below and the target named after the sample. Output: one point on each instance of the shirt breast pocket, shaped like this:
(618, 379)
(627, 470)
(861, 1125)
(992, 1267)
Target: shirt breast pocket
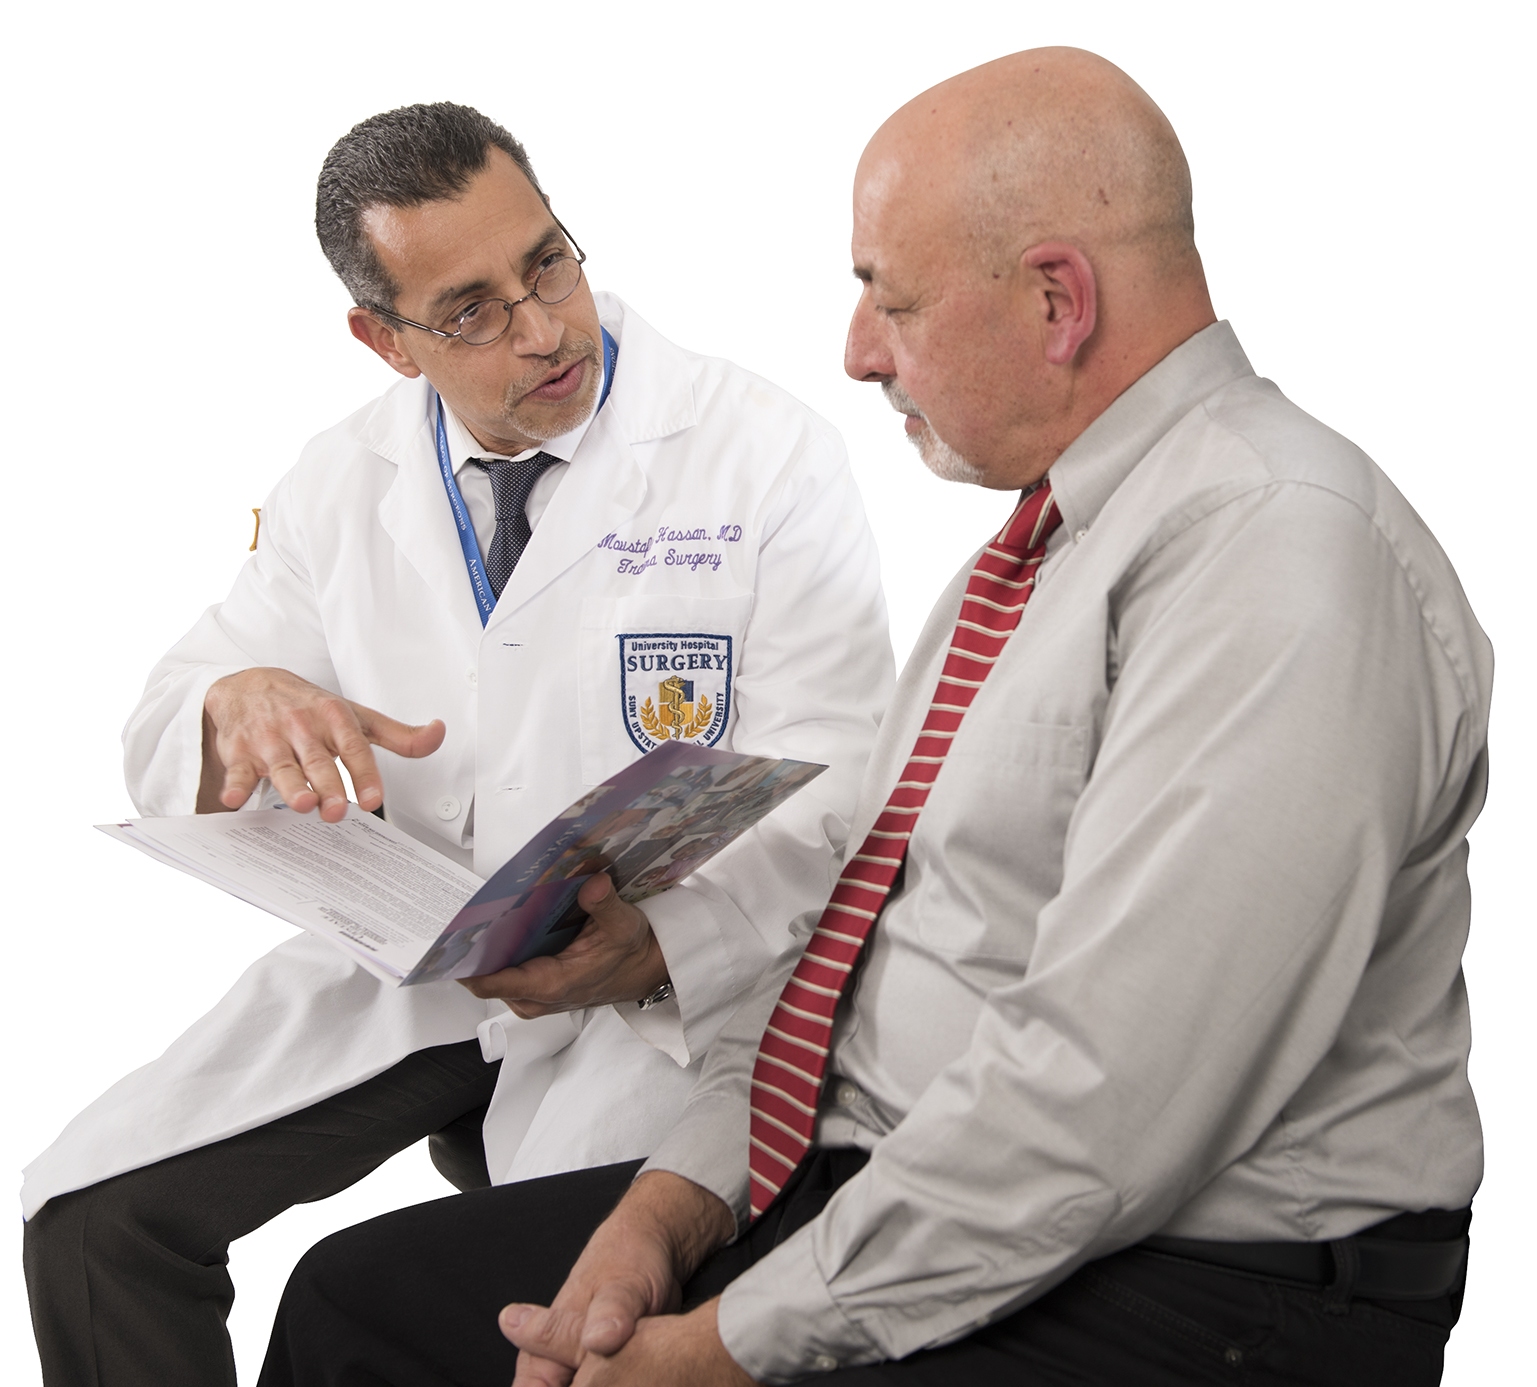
(991, 837)
(654, 669)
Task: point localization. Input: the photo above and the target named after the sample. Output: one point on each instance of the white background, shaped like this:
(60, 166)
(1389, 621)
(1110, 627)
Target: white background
(172, 336)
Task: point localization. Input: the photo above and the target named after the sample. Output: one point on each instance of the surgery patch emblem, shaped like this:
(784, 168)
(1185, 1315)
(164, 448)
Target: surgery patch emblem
(675, 687)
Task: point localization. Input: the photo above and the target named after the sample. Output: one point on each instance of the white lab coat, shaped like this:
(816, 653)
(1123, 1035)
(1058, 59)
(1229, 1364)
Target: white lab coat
(359, 585)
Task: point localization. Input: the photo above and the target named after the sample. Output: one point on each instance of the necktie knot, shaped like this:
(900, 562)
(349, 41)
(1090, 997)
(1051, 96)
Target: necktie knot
(1033, 521)
(512, 481)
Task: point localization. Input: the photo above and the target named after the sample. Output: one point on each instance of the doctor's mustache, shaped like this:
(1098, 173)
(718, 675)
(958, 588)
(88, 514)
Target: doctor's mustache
(567, 353)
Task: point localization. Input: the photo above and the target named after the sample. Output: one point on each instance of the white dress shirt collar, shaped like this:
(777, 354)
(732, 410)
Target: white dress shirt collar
(462, 445)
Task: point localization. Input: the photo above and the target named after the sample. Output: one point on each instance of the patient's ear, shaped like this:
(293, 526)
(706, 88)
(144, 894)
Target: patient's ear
(1066, 297)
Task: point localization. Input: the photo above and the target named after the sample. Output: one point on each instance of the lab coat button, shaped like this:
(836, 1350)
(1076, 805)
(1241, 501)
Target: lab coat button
(845, 1095)
(473, 678)
(824, 1362)
(448, 807)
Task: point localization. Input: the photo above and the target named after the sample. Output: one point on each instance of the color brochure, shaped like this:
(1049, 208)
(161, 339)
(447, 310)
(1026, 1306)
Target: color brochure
(383, 896)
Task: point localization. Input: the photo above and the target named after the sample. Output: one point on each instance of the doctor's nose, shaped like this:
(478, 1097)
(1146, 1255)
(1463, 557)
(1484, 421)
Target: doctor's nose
(535, 330)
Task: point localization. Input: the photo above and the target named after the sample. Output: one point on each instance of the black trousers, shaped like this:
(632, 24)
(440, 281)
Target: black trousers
(128, 1279)
(411, 1299)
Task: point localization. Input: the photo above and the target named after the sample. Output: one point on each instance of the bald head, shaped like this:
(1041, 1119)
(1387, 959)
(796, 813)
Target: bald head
(1040, 203)
(1054, 143)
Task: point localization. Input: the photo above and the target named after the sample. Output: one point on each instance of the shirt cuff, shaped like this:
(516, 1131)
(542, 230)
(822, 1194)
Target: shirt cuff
(708, 1146)
(691, 933)
(170, 783)
(780, 1323)
(660, 1026)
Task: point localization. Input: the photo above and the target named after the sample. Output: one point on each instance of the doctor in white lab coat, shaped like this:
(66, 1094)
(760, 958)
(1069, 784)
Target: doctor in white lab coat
(693, 522)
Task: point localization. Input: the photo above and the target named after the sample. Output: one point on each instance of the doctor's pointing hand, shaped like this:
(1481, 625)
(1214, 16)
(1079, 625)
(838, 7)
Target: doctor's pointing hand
(271, 723)
(268, 723)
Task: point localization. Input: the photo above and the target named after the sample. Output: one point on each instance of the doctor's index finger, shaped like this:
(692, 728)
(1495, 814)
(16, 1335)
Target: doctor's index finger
(402, 738)
(349, 741)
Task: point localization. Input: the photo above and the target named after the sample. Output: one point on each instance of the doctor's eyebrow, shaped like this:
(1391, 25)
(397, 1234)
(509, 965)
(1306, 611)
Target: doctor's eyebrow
(551, 240)
(442, 300)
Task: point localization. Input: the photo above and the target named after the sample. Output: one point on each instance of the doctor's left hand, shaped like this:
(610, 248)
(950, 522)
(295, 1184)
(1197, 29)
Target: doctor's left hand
(614, 959)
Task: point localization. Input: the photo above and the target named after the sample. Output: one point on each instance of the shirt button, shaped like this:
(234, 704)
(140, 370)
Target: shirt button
(473, 678)
(1079, 536)
(844, 1096)
(824, 1362)
(448, 807)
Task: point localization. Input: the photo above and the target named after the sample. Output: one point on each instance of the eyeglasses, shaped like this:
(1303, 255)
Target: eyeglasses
(484, 321)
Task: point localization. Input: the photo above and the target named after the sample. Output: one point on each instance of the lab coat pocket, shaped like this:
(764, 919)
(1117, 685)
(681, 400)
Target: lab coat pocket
(656, 668)
(994, 832)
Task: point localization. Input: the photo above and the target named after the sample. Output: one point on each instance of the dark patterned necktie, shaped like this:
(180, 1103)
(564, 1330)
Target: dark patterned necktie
(511, 483)
(792, 1057)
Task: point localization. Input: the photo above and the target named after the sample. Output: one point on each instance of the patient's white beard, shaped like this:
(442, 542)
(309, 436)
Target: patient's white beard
(938, 456)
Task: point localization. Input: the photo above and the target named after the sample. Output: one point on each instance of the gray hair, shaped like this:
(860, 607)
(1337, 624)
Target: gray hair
(401, 158)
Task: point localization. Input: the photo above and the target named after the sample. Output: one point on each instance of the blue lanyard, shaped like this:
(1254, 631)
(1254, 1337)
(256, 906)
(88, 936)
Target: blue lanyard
(485, 599)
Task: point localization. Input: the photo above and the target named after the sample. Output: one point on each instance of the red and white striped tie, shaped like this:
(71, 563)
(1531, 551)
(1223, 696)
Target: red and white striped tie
(792, 1058)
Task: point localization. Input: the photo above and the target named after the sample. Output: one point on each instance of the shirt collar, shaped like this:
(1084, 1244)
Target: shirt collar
(462, 445)
(1103, 455)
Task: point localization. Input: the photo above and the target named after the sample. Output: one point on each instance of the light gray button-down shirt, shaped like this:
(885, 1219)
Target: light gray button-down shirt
(1178, 946)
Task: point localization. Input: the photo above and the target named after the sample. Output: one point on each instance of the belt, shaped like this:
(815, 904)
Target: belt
(1375, 1268)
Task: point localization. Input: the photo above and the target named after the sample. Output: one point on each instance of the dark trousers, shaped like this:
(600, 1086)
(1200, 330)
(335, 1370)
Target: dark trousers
(411, 1300)
(128, 1279)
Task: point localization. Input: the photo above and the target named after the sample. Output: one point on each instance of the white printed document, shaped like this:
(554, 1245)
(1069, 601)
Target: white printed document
(409, 914)
(361, 882)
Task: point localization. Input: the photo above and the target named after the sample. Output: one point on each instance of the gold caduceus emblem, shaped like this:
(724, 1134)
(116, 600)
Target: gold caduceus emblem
(677, 717)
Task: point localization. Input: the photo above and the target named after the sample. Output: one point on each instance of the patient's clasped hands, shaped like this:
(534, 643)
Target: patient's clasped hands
(614, 1321)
